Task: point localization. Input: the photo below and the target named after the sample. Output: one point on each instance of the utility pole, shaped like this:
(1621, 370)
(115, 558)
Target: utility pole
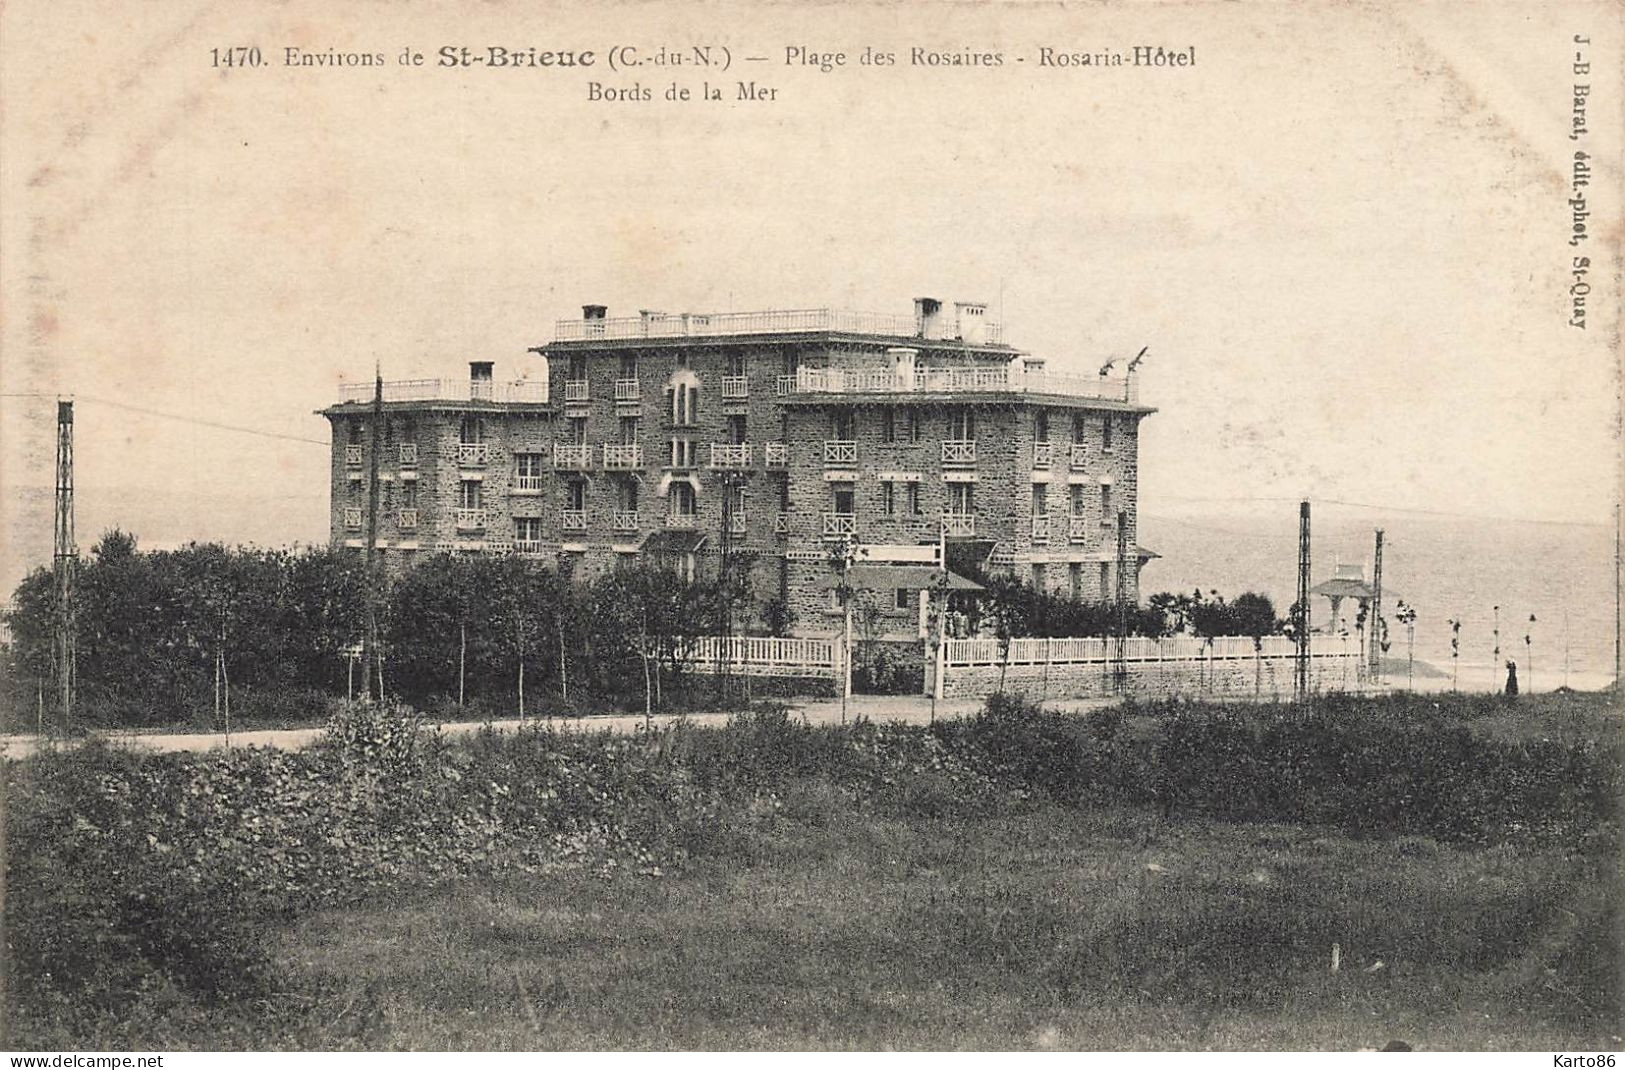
(369, 648)
(65, 562)
(1300, 671)
(1120, 653)
(1375, 661)
(724, 583)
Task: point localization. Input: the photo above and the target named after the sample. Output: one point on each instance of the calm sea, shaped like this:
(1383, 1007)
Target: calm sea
(1561, 574)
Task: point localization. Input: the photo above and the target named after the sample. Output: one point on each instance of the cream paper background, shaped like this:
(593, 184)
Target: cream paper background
(1343, 232)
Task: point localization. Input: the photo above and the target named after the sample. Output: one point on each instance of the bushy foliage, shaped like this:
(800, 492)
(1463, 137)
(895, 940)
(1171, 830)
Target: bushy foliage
(169, 865)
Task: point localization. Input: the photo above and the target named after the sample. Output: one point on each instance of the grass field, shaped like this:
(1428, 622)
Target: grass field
(814, 916)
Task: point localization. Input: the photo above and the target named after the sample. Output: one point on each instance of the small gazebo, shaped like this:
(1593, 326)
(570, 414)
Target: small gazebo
(1348, 582)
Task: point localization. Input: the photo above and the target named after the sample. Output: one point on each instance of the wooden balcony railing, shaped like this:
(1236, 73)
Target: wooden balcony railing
(1077, 528)
(572, 456)
(959, 453)
(735, 387)
(840, 451)
(730, 455)
(529, 484)
(1043, 454)
(781, 525)
(408, 454)
(840, 525)
(1040, 527)
(623, 455)
(1079, 456)
(408, 519)
(577, 390)
(354, 455)
(573, 520)
(473, 454)
(776, 454)
(960, 524)
(683, 521)
(471, 520)
(628, 390)
(519, 391)
(352, 517)
(623, 520)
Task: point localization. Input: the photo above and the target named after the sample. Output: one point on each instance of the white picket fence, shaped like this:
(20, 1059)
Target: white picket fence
(750, 655)
(969, 653)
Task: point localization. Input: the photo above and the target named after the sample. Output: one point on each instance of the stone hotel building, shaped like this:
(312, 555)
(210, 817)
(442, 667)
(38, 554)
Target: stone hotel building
(772, 436)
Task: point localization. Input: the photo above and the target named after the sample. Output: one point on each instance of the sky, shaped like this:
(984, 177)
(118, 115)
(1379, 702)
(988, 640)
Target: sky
(1343, 233)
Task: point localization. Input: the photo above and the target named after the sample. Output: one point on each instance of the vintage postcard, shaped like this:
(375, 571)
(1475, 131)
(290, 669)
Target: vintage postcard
(763, 525)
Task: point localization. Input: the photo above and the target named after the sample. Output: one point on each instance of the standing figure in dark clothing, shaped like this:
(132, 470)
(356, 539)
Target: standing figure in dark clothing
(1512, 679)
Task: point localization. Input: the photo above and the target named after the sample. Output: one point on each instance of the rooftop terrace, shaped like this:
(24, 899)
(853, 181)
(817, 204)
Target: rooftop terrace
(970, 327)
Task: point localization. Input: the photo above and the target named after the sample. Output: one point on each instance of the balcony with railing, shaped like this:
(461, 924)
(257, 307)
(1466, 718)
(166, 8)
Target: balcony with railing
(725, 455)
(573, 520)
(352, 517)
(527, 547)
(1077, 528)
(840, 452)
(959, 524)
(1043, 454)
(735, 387)
(1079, 456)
(628, 390)
(738, 522)
(781, 525)
(577, 390)
(407, 520)
(959, 453)
(840, 525)
(774, 321)
(776, 454)
(471, 520)
(623, 520)
(408, 453)
(979, 379)
(623, 455)
(784, 384)
(473, 454)
(529, 484)
(1041, 524)
(354, 455)
(520, 391)
(572, 456)
(683, 521)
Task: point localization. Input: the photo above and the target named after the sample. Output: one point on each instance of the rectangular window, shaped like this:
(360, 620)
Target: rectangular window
(1077, 499)
(682, 501)
(888, 425)
(528, 466)
(736, 364)
(627, 495)
(472, 430)
(913, 497)
(470, 494)
(736, 429)
(682, 453)
(1040, 499)
(961, 499)
(629, 430)
(841, 425)
(575, 495)
(1105, 580)
(913, 426)
(1106, 432)
(1079, 435)
(962, 424)
(888, 498)
(527, 529)
(1041, 425)
(1075, 578)
(1106, 516)
(577, 430)
(1038, 576)
(629, 366)
(841, 498)
(578, 367)
(906, 599)
(409, 494)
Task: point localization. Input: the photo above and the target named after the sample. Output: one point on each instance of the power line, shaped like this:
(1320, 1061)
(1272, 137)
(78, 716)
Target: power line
(182, 417)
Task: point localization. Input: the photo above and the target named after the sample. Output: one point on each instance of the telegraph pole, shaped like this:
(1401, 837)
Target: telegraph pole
(1120, 654)
(724, 580)
(1375, 661)
(369, 648)
(64, 563)
(1300, 670)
